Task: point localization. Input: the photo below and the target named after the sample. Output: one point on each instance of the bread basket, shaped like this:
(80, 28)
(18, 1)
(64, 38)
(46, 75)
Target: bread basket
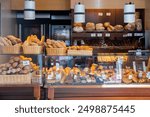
(15, 79)
(11, 49)
(32, 49)
(56, 51)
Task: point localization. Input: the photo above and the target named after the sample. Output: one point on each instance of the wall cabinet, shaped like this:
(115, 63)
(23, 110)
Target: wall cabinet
(43, 5)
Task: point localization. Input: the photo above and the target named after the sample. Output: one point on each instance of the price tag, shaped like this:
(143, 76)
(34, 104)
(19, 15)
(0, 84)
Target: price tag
(144, 66)
(50, 77)
(52, 64)
(58, 77)
(25, 63)
(130, 77)
(107, 35)
(140, 74)
(134, 65)
(57, 65)
(148, 75)
(99, 35)
(75, 77)
(138, 34)
(103, 76)
(129, 34)
(139, 52)
(93, 35)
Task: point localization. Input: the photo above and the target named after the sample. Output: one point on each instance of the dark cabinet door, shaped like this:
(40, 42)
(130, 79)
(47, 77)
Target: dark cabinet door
(119, 17)
(100, 13)
(90, 15)
(109, 16)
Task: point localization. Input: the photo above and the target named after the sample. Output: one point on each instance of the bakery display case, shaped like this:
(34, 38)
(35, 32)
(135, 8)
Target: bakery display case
(122, 73)
(108, 68)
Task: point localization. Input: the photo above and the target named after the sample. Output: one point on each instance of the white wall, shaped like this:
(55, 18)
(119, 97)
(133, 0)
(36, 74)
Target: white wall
(107, 4)
(8, 21)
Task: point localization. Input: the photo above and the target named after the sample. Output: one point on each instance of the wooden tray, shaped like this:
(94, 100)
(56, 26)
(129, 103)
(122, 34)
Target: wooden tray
(80, 52)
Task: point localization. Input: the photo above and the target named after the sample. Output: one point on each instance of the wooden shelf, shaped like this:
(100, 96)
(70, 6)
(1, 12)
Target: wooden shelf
(106, 34)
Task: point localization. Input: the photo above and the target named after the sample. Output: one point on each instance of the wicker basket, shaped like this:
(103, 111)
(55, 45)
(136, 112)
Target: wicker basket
(11, 49)
(32, 49)
(56, 51)
(15, 79)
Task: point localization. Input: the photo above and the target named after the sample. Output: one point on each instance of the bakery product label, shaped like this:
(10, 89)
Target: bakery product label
(50, 76)
(148, 75)
(25, 63)
(130, 77)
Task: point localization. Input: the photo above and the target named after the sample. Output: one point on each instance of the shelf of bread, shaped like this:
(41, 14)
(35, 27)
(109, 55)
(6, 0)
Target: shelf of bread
(18, 70)
(55, 47)
(13, 45)
(106, 27)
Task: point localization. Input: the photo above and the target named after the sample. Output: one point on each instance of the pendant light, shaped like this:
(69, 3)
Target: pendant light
(79, 13)
(29, 10)
(129, 12)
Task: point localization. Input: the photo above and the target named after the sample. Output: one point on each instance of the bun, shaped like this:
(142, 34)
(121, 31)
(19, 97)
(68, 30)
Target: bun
(106, 24)
(90, 26)
(100, 26)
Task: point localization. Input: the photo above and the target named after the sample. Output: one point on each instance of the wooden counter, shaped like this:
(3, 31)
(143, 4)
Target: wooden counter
(36, 89)
(100, 92)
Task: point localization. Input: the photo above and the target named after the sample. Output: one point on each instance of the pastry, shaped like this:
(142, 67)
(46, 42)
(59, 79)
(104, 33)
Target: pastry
(78, 29)
(119, 28)
(90, 26)
(106, 24)
(110, 28)
(126, 80)
(100, 27)
(130, 27)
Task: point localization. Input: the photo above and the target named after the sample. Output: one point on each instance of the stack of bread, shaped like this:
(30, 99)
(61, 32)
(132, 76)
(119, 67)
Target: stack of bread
(119, 28)
(78, 27)
(130, 27)
(34, 41)
(100, 27)
(93, 75)
(55, 47)
(90, 26)
(33, 45)
(108, 26)
(55, 44)
(18, 65)
(131, 76)
(10, 40)
(10, 44)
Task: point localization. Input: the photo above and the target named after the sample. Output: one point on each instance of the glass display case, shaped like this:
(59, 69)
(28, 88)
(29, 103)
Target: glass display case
(106, 68)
